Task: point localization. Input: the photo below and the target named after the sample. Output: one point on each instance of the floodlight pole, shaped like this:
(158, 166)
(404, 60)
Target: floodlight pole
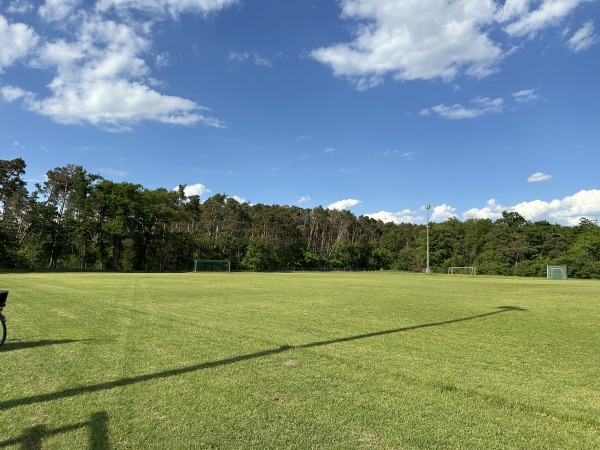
(427, 207)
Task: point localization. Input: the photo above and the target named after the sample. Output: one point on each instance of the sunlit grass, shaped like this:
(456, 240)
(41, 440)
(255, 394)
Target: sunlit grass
(299, 360)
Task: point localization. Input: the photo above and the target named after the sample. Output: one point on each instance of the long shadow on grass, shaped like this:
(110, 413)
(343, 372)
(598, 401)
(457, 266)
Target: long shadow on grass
(8, 404)
(20, 345)
(33, 438)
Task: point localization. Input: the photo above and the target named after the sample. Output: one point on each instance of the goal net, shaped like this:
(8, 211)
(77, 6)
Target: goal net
(556, 272)
(462, 271)
(212, 265)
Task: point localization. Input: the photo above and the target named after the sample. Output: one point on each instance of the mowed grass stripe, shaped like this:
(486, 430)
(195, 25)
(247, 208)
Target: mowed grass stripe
(345, 360)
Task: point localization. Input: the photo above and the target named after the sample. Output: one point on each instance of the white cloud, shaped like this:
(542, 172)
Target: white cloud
(482, 105)
(567, 211)
(162, 59)
(194, 189)
(405, 216)
(492, 210)
(539, 176)
(439, 39)
(101, 79)
(12, 93)
(172, 7)
(406, 155)
(17, 40)
(58, 10)
(424, 39)
(549, 12)
(526, 96)
(583, 38)
(512, 9)
(254, 57)
(344, 204)
(116, 105)
(19, 7)
(442, 212)
(438, 213)
(304, 199)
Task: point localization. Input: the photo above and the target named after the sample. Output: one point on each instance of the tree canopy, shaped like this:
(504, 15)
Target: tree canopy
(80, 221)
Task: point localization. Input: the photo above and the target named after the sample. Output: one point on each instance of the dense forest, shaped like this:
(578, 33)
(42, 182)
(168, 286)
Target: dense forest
(79, 221)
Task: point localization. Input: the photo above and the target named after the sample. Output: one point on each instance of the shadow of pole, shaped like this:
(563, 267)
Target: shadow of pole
(20, 345)
(8, 404)
(501, 309)
(33, 437)
(99, 431)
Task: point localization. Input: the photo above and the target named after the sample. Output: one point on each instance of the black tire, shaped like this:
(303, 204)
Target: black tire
(3, 331)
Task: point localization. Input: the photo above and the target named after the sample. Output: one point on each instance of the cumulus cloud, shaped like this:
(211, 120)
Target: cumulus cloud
(304, 199)
(512, 9)
(583, 38)
(492, 210)
(567, 211)
(194, 189)
(414, 40)
(404, 216)
(539, 176)
(344, 204)
(442, 212)
(100, 73)
(19, 7)
(17, 40)
(13, 93)
(437, 39)
(116, 105)
(438, 213)
(57, 10)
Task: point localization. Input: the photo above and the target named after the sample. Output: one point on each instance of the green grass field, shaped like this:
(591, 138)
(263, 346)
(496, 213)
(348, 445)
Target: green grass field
(299, 360)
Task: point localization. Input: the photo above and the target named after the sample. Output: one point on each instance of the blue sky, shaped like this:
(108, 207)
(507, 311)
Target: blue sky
(376, 106)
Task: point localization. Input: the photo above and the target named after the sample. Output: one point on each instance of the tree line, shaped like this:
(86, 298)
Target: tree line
(77, 220)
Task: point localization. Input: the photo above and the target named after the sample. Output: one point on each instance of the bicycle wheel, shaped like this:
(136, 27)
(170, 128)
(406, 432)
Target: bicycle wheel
(3, 331)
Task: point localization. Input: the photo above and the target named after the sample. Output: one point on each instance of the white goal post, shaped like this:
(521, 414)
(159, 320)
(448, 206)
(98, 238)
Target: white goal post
(471, 270)
(212, 265)
(556, 272)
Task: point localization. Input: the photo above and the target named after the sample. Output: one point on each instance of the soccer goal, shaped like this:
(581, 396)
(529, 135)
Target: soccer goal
(556, 272)
(462, 271)
(212, 265)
